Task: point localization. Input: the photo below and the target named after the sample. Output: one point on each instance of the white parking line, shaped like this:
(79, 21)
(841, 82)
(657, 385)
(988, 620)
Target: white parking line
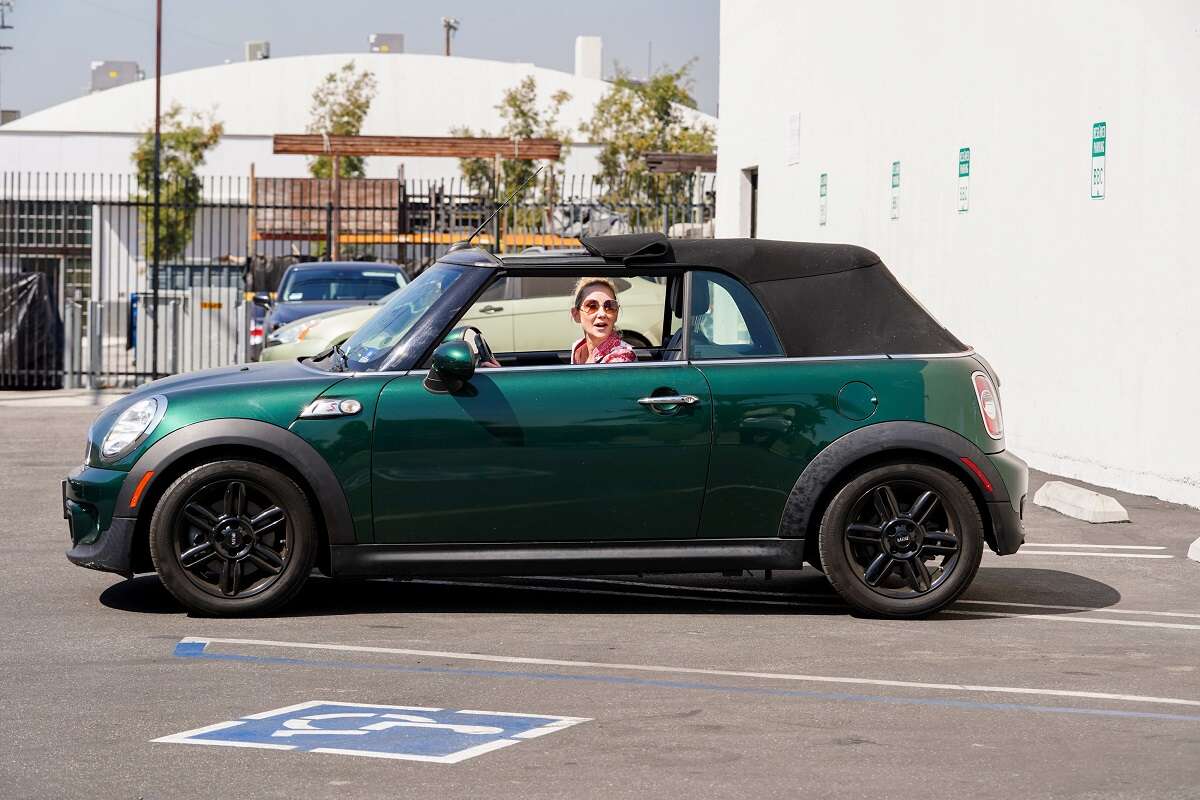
(656, 668)
(768, 593)
(1081, 553)
(832, 603)
(1098, 546)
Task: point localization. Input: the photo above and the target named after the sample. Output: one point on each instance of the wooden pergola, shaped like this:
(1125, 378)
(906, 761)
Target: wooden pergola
(336, 147)
(668, 163)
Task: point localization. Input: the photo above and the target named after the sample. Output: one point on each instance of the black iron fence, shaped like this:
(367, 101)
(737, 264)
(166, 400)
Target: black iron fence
(82, 303)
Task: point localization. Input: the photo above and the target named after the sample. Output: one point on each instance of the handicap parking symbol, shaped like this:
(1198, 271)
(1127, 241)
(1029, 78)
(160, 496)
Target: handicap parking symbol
(410, 733)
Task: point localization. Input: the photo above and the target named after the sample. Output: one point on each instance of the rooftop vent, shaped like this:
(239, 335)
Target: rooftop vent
(258, 51)
(109, 74)
(386, 42)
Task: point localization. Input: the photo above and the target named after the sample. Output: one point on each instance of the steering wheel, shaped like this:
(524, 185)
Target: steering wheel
(474, 339)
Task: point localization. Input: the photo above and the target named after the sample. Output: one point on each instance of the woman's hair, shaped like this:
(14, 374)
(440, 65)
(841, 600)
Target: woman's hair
(584, 283)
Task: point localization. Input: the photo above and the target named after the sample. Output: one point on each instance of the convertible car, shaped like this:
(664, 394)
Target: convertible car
(801, 407)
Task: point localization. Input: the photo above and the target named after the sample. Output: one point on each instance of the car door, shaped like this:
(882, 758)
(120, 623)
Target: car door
(549, 454)
(492, 313)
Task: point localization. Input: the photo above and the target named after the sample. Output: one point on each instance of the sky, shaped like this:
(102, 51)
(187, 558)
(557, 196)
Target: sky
(55, 41)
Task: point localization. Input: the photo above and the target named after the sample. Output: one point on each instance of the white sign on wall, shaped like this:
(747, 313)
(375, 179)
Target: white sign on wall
(824, 197)
(964, 179)
(895, 190)
(1099, 151)
(793, 138)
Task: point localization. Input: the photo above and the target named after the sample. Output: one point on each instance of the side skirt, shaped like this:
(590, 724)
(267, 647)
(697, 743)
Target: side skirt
(577, 558)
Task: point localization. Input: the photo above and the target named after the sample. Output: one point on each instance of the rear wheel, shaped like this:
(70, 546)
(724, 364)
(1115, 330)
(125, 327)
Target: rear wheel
(902, 540)
(233, 537)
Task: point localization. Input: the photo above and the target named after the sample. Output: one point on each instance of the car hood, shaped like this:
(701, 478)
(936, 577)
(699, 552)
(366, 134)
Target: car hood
(274, 392)
(283, 313)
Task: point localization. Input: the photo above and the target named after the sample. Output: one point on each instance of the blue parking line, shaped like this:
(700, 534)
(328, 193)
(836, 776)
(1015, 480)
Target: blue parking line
(198, 650)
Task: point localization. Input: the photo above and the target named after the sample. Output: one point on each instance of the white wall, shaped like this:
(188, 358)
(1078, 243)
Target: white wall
(1087, 308)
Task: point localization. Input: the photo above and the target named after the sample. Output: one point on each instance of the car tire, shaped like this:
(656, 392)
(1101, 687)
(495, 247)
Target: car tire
(233, 538)
(882, 529)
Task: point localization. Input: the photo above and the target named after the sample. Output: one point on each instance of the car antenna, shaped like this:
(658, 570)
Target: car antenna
(467, 242)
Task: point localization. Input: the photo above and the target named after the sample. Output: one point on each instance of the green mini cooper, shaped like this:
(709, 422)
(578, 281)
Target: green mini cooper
(802, 406)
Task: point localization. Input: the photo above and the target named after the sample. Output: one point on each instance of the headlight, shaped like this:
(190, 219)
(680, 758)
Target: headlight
(292, 333)
(132, 427)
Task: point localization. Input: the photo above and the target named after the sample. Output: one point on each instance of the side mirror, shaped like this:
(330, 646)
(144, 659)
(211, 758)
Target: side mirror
(262, 299)
(453, 365)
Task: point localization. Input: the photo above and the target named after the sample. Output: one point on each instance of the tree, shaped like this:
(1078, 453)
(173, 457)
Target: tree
(183, 148)
(639, 117)
(339, 106)
(523, 119)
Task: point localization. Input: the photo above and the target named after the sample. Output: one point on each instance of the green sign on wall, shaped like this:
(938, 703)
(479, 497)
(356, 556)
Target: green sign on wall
(824, 212)
(964, 179)
(895, 190)
(1099, 151)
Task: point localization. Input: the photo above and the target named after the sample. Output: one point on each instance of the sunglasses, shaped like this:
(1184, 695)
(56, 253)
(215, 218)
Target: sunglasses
(592, 306)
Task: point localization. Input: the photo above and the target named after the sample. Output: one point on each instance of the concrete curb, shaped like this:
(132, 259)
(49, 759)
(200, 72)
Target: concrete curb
(1080, 503)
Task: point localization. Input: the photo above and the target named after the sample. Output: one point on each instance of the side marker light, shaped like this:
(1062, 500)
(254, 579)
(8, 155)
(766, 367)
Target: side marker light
(971, 465)
(137, 492)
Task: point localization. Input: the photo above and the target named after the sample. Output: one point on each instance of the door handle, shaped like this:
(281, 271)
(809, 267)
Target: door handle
(670, 400)
(490, 309)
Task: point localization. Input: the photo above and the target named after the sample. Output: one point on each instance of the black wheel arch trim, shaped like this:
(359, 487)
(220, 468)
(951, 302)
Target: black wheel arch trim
(257, 435)
(872, 441)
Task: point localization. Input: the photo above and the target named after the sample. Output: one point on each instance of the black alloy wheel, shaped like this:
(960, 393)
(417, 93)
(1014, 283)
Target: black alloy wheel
(232, 537)
(902, 540)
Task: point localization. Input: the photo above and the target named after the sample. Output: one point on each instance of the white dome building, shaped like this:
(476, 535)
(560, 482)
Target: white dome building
(417, 95)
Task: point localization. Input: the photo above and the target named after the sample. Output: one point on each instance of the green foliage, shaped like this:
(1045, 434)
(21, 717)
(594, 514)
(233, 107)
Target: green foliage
(639, 117)
(339, 106)
(523, 119)
(184, 145)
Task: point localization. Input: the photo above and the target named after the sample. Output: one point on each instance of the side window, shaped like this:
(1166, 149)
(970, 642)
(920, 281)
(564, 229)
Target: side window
(727, 322)
(493, 292)
(541, 315)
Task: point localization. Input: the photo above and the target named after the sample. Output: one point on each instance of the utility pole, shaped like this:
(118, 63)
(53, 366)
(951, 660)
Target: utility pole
(6, 7)
(157, 174)
(451, 25)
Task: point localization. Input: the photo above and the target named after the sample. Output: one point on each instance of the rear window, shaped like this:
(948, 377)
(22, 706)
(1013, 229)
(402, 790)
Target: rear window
(339, 284)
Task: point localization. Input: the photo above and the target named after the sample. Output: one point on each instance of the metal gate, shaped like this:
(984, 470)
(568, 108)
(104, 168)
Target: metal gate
(83, 306)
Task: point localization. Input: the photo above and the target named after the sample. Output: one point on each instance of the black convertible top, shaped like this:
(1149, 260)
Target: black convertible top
(823, 299)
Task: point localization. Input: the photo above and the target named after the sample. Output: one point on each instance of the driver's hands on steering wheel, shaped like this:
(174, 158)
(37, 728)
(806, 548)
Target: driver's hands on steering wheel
(474, 338)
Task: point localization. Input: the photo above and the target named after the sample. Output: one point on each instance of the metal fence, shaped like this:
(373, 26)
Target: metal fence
(83, 305)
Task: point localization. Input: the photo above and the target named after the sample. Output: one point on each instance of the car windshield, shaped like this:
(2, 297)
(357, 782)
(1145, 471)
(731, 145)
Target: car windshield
(334, 283)
(370, 345)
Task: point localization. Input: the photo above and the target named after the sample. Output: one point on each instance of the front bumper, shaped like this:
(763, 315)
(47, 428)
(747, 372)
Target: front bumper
(99, 539)
(112, 551)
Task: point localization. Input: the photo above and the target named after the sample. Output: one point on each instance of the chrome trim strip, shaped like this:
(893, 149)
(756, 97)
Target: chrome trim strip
(715, 361)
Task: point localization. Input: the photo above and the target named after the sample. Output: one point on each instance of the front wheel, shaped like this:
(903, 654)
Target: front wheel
(902, 540)
(233, 537)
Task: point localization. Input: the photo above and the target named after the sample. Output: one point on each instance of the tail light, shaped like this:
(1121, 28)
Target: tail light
(989, 404)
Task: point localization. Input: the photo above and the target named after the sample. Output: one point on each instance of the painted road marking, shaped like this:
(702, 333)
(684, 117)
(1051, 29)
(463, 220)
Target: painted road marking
(1081, 553)
(1098, 546)
(1134, 612)
(834, 604)
(203, 641)
(192, 650)
(437, 735)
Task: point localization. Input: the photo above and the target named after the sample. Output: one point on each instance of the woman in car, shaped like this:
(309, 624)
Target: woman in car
(596, 309)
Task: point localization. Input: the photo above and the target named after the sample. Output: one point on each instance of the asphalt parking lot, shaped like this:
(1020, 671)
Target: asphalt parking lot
(1067, 671)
